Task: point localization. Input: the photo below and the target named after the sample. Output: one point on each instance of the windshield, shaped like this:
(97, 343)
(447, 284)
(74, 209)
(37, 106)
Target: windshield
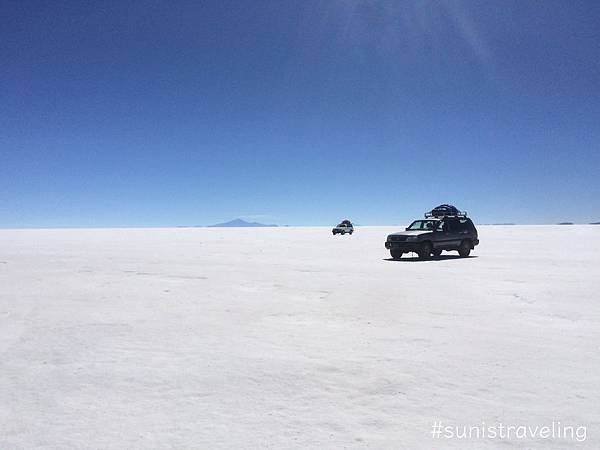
(424, 225)
(344, 224)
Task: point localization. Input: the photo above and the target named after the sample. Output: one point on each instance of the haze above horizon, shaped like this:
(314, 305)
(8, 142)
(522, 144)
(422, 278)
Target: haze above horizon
(161, 114)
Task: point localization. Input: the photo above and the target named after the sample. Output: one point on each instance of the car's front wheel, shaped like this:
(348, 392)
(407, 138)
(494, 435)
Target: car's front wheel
(437, 253)
(465, 249)
(425, 250)
(396, 254)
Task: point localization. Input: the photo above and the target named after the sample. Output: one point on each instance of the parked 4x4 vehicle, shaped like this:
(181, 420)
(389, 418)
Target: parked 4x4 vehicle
(442, 229)
(345, 226)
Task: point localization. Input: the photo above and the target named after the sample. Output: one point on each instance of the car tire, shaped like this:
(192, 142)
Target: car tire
(396, 254)
(425, 250)
(342, 233)
(465, 249)
(350, 232)
(437, 253)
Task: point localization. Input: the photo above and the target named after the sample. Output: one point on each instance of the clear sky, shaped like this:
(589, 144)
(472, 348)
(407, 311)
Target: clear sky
(161, 113)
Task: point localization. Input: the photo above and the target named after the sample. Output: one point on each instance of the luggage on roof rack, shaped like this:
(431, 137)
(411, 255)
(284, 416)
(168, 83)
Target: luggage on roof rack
(445, 211)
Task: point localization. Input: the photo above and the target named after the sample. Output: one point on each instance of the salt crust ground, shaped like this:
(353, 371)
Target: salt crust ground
(291, 338)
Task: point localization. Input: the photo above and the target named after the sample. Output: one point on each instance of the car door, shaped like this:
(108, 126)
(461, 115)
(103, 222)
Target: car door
(447, 235)
(455, 233)
(440, 236)
(465, 227)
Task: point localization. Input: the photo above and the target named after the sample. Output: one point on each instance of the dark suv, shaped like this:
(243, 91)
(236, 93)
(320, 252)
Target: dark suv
(433, 234)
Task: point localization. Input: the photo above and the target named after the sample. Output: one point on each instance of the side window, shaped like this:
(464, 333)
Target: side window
(467, 225)
(459, 225)
(462, 225)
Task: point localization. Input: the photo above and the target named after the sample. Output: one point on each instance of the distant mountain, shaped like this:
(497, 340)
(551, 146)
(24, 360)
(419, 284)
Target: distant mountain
(566, 223)
(241, 223)
(595, 223)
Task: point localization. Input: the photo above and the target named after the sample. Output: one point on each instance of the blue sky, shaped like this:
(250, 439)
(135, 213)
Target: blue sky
(183, 113)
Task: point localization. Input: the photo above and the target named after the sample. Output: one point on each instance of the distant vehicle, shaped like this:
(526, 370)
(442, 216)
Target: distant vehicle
(444, 228)
(345, 226)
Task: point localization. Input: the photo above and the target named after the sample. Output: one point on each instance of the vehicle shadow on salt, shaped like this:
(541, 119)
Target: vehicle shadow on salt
(433, 258)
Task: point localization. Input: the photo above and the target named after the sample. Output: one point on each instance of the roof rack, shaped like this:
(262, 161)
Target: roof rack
(439, 214)
(445, 211)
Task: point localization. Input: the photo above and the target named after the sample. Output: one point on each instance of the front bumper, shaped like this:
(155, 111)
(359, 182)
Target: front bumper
(404, 247)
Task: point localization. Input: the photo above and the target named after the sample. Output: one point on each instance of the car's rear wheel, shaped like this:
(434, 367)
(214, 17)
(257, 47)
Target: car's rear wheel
(465, 249)
(425, 250)
(396, 254)
(437, 253)
(343, 232)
